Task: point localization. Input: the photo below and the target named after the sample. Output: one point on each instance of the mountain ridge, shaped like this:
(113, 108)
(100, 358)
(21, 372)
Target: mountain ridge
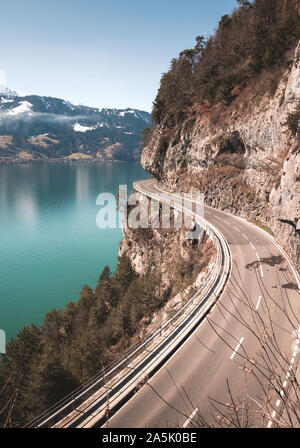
(42, 128)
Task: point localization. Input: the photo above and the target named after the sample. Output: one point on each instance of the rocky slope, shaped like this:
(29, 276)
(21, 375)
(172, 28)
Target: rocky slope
(180, 263)
(44, 128)
(243, 156)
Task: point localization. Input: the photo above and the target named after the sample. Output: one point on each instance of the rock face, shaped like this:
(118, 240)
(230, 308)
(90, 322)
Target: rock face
(243, 156)
(179, 262)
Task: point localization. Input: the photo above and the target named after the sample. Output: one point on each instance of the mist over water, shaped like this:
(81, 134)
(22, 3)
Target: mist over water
(50, 245)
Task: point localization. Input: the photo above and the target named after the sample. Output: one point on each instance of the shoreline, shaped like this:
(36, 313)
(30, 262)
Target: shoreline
(63, 161)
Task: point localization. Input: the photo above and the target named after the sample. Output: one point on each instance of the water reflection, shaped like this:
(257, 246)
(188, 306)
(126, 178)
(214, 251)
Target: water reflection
(82, 183)
(49, 242)
(26, 208)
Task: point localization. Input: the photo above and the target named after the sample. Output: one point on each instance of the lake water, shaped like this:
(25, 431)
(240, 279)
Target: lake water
(50, 245)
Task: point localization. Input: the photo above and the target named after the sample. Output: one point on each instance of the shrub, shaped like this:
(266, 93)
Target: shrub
(163, 145)
(293, 121)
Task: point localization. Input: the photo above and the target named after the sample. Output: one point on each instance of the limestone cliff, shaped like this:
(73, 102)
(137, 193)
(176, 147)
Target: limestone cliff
(243, 156)
(179, 262)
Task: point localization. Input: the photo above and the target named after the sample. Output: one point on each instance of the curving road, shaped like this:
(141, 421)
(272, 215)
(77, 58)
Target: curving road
(263, 287)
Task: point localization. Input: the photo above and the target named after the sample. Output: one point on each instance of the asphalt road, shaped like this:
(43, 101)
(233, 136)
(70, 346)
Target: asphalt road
(212, 369)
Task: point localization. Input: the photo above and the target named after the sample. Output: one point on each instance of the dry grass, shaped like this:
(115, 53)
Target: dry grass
(43, 141)
(5, 141)
(261, 226)
(78, 156)
(25, 155)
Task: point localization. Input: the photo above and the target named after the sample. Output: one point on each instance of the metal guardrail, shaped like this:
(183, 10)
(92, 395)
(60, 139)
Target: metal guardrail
(220, 271)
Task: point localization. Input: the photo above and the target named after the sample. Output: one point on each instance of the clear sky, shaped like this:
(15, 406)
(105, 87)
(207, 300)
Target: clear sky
(104, 53)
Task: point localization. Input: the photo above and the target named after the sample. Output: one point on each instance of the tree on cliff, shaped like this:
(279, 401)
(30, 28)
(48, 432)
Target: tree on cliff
(253, 39)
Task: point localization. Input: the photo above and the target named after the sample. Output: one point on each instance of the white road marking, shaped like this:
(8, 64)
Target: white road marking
(237, 347)
(245, 236)
(190, 418)
(270, 421)
(258, 303)
(292, 360)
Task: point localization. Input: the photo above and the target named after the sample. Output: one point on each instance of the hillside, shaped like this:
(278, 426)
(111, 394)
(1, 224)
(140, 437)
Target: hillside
(44, 128)
(226, 123)
(242, 149)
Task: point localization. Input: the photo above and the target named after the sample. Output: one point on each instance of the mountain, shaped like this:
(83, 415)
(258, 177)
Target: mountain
(227, 120)
(5, 91)
(45, 129)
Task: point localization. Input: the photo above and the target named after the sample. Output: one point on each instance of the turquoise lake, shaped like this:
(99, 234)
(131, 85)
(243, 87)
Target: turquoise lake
(50, 245)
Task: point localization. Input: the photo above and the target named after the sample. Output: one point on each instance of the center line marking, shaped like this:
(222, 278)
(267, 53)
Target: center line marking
(261, 271)
(237, 347)
(245, 236)
(258, 257)
(252, 245)
(258, 303)
(190, 418)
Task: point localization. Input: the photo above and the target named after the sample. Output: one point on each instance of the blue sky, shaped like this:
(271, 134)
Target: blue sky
(99, 53)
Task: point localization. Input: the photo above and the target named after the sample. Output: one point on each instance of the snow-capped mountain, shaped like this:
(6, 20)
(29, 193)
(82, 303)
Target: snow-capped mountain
(38, 127)
(5, 91)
